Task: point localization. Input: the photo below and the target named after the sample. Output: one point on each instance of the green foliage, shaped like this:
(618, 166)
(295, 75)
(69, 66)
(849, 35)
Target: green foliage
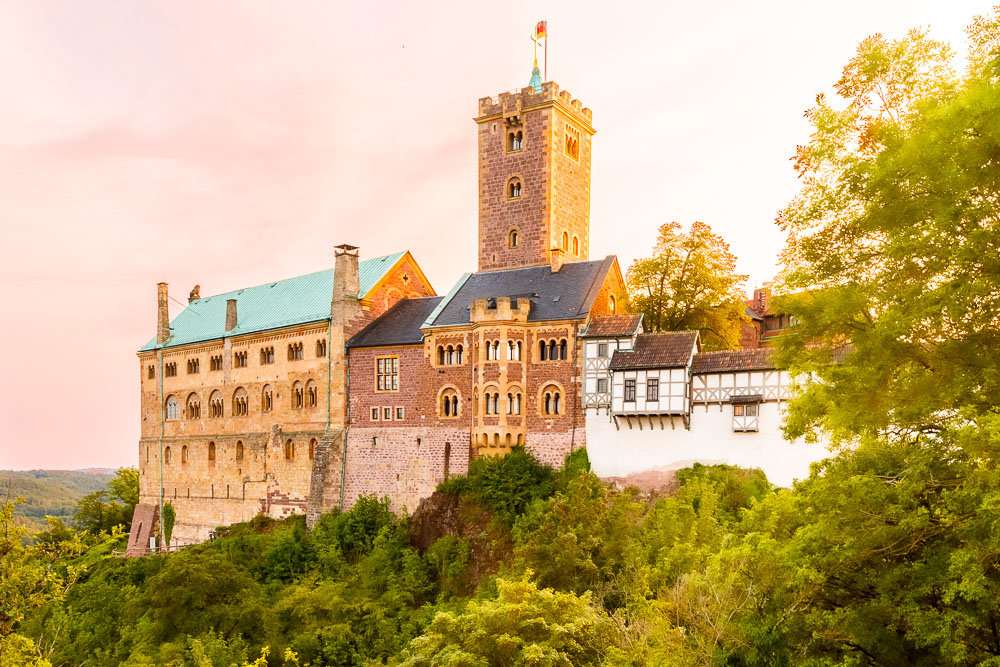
(354, 532)
(506, 485)
(102, 510)
(690, 282)
(893, 243)
(168, 519)
(522, 626)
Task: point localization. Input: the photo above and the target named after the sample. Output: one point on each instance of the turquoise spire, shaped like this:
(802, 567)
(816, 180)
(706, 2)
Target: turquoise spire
(536, 78)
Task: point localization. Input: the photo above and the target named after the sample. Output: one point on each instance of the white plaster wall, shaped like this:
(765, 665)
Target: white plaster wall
(711, 440)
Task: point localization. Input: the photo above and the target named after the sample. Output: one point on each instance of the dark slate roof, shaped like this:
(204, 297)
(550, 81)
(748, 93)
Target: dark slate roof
(733, 360)
(666, 349)
(400, 325)
(753, 314)
(611, 326)
(566, 295)
(746, 398)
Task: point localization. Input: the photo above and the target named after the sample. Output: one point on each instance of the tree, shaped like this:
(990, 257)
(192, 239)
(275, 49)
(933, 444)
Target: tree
(169, 516)
(522, 626)
(110, 507)
(690, 283)
(28, 580)
(894, 243)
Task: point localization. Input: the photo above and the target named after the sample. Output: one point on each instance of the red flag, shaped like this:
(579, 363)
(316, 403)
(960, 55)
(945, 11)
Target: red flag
(540, 30)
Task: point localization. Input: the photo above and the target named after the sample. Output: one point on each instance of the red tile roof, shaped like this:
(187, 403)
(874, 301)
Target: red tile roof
(667, 349)
(610, 326)
(733, 360)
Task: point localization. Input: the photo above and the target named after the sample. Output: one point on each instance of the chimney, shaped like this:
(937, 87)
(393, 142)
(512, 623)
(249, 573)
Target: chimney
(195, 293)
(556, 255)
(346, 284)
(230, 314)
(162, 314)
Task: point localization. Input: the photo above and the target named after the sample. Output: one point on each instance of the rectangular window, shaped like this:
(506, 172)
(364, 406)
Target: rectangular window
(652, 389)
(602, 385)
(750, 410)
(399, 414)
(387, 414)
(386, 373)
(630, 391)
(374, 414)
(602, 350)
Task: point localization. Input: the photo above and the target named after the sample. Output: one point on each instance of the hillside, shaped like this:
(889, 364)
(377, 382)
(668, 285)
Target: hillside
(49, 492)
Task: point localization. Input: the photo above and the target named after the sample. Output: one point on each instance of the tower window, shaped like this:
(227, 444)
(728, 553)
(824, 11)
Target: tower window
(152, 372)
(576, 247)
(572, 142)
(170, 370)
(512, 240)
(515, 141)
(514, 188)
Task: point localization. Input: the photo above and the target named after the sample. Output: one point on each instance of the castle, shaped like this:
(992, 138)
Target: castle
(300, 395)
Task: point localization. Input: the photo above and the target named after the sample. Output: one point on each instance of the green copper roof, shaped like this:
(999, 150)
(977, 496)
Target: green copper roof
(279, 304)
(536, 78)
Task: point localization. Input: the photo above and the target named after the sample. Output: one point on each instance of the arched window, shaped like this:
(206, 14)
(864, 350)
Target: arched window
(241, 407)
(184, 454)
(576, 246)
(173, 408)
(166, 455)
(298, 395)
(451, 355)
(510, 403)
(551, 403)
(562, 349)
(517, 351)
(611, 304)
(211, 451)
(542, 351)
(266, 398)
(239, 450)
(514, 188)
(517, 403)
(512, 239)
(448, 403)
(515, 141)
(289, 450)
(193, 407)
(440, 355)
(565, 241)
(321, 348)
(553, 352)
(458, 354)
(312, 449)
(312, 394)
(215, 404)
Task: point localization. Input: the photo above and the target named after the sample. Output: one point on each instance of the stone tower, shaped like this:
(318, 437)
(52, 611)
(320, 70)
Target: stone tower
(534, 177)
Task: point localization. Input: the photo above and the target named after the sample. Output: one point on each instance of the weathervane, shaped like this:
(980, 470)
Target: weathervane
(542, 32)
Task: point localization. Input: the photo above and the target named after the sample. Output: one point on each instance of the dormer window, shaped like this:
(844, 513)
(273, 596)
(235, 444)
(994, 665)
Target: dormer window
(515, 141)
(514, 188)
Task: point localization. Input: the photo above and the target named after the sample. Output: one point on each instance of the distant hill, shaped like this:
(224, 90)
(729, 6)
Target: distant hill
(50, 492)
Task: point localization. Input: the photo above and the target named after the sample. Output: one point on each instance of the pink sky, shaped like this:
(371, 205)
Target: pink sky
(233, 143)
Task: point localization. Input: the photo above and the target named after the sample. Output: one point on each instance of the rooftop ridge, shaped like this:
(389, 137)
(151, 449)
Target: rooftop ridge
(301, 275)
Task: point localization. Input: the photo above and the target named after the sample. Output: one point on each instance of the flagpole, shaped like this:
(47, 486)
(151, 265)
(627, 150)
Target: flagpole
(546, 50)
